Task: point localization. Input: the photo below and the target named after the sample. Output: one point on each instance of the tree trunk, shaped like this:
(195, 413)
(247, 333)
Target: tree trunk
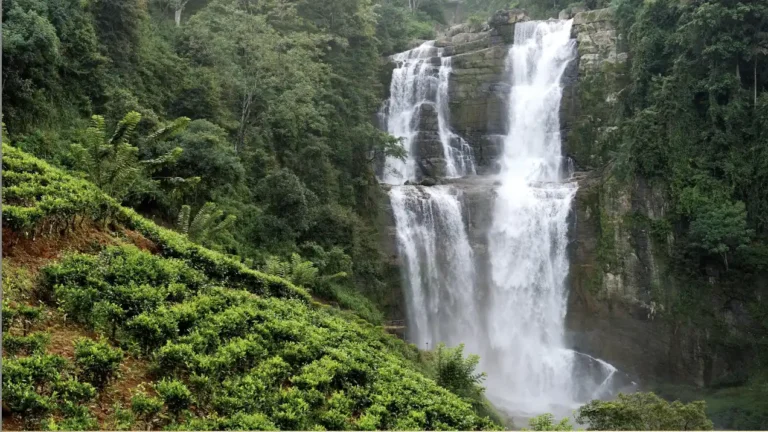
(244, 114)
(755, 70)
(178, 15)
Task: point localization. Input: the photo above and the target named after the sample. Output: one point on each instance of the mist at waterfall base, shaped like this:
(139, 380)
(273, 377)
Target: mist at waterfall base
(514, 318)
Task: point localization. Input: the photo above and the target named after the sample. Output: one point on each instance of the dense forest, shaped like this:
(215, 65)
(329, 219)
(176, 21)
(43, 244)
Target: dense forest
(198, 175)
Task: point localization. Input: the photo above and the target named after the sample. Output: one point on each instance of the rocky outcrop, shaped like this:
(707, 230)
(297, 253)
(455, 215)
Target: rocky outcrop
(478, 89)
(598, 40)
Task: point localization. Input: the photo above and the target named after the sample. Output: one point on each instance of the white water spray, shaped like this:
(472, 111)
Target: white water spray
(533, 370)
(439, 265)
(422, 77)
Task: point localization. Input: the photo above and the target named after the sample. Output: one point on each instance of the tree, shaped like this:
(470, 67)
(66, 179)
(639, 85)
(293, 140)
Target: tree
(643, 411)
(720, 229)
(546, 422)
(207, 154)
(31, 55)
(457, 373)
(113, 163)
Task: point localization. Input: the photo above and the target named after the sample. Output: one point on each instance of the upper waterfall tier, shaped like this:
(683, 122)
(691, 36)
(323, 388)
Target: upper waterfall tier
(417, 112)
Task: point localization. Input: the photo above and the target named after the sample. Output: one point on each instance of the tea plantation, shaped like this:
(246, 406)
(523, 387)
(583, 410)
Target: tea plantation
(224, 346)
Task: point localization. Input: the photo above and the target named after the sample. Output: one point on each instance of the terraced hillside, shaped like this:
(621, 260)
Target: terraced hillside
(112, 322)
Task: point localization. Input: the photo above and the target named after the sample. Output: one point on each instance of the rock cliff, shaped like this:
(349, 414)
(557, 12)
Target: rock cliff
(625, 296)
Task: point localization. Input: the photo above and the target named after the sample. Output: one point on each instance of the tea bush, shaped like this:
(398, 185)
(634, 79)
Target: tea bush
(43, 391)
(97, 362)
(175, 394)
(34, 343)
(251, 361)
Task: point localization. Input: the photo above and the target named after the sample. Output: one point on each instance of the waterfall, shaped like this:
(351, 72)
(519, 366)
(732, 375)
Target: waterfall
(422, 78)
(533, 370)
(513, 316)
(457, 151)
(439, 267)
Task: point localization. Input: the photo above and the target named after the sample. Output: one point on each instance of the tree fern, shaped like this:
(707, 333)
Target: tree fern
(125, 128)
(114, 164)
(208, 223)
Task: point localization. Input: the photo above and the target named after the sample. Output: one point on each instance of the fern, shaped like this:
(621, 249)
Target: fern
(182, 224)
(298, 271)
(208, 223)
(114, 165)
(169, 129)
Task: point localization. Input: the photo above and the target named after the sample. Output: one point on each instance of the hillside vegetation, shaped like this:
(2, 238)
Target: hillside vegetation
(202, 341)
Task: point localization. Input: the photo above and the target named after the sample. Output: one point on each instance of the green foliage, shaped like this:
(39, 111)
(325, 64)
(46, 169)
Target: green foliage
(20, 315)
(256, 361)
(121, 418)
(113, 163)
(208, 223)
(283, 93)
(457, 373)
(175, 394)
(42, 385)
(145, 407)
(302, 273)
(97, 362)
(721, 229)
(34, 343)
(546, 422)
(643, 411)
(40, 199)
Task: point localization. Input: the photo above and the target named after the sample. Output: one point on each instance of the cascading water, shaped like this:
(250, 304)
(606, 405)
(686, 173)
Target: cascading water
(432, 238)
(421, 77)
(439, 265)
(514, 316)
(532, 369)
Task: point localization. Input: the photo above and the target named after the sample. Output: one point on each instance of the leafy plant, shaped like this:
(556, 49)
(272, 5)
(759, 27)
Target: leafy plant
(31, 344)
(97, 362)
(546, 422)
(113, 163)
(175, 394)
(298, 271)
(457, 373)
(145, 407)
(208, 223)
(643, 411)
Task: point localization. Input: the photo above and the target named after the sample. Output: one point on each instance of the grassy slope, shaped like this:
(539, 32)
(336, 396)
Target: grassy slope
(252, 350)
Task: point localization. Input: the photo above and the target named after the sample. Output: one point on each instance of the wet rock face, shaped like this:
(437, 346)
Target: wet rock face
(477, 92)
(599, 43)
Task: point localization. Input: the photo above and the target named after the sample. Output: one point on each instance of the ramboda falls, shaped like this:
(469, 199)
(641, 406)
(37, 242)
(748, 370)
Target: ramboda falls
(492, 276)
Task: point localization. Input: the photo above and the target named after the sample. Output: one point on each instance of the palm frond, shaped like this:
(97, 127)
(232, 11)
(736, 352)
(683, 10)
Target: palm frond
(182, 223)
(125, 128)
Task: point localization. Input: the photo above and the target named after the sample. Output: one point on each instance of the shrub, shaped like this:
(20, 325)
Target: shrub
(146, 407)
(75, 418)
(152, 330)
(34, 343)
(175, 359)
(97, 362)
(121, 418)
(74, 392)
(643, 411)
(546, 422)
(22, 399)
(9, 316)
(175, 394)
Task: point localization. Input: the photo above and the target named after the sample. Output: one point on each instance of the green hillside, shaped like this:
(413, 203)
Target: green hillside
(187, 338)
